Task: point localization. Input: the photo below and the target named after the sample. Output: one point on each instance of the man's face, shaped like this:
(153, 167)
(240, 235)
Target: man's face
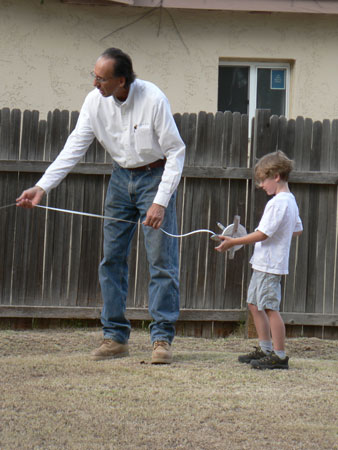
(105, 80)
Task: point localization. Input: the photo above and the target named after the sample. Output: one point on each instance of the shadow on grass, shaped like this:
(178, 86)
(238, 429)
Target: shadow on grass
(201, 356)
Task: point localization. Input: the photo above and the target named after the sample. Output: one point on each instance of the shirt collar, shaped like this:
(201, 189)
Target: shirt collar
(128, 100)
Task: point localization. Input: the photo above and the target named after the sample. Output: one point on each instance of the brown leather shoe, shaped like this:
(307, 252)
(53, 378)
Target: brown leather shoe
(109, 349)
(162, 353)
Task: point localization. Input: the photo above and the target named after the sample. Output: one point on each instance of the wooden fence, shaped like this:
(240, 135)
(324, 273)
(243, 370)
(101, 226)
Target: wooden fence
(49, 260)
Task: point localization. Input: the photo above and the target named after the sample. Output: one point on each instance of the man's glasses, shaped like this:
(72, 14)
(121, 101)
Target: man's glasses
(99, 79)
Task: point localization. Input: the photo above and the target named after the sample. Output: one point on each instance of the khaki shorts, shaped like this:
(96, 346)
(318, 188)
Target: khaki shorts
(265, 290)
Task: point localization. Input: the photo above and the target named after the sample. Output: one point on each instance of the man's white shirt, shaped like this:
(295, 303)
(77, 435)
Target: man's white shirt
(135, 132)
(279, 221)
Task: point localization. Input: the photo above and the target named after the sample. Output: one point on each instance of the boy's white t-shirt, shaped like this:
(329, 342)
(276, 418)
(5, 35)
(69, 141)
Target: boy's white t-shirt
(279, 221)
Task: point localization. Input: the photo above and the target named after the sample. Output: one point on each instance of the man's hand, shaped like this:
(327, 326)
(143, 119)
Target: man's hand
(227, 243)
(31, 197)
(155, 215)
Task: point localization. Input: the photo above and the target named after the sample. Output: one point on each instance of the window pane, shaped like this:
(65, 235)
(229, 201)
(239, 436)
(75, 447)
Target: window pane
(233, 89)
(268, 98)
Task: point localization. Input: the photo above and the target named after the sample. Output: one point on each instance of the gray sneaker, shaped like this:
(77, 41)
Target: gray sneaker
(256, 354)
(271, 361)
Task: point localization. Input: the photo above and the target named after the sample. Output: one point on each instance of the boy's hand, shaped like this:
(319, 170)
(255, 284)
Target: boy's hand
(227, 243)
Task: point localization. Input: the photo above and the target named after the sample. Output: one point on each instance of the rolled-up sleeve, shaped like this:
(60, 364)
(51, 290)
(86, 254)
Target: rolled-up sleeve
(299, 225)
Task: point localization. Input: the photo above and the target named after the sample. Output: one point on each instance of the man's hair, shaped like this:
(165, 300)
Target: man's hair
(276, 163)
(123, 66)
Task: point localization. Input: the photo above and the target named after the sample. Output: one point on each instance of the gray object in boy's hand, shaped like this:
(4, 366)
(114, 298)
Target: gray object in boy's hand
(234, 230)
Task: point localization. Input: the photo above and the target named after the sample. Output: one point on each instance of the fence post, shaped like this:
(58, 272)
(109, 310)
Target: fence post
(261, 145)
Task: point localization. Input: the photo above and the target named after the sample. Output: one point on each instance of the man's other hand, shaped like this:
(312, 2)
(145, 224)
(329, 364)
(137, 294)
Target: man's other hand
(155, 215)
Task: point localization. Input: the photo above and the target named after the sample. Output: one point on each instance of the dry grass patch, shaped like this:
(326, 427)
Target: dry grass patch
(54, 397)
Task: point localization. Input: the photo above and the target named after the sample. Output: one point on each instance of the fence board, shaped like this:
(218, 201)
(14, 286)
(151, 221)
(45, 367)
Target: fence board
(227, 139)
(235, 148)
(216, 264)
(9, 142)
(333, 261)
(8, 183)
(75, 200)
(191, 245)
(15, 129)
(5, 130)
(282, 134)
(314, 246)
(201, 196)
(30, 135)
(303, 200)
(189, 253)
(24, 267)
(217, 147)
(325, 238)
(244, 156)
(290, 138)
(57, 248)
(188, 134)
(274, 122)
(334, 146)
(91, 243)
(330, 251)
(294, 148)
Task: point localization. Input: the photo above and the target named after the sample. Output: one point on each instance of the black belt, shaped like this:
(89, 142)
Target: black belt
(153, 165)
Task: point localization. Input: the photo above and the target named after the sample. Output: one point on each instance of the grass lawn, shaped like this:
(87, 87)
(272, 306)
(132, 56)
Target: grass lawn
(52, 396)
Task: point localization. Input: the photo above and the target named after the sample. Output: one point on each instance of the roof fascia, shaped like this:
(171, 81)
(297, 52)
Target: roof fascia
(263, 6)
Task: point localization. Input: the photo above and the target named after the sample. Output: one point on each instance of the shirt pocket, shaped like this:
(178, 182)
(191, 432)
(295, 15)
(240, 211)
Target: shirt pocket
(143, 139)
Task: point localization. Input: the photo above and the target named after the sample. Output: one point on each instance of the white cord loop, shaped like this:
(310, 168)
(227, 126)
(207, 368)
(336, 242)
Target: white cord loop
(69, 211)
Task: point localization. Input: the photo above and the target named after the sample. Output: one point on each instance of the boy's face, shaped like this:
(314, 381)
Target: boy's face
(270, 185)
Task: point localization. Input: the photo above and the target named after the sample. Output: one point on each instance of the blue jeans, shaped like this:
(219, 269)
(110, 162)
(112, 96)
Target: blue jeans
(130, 194)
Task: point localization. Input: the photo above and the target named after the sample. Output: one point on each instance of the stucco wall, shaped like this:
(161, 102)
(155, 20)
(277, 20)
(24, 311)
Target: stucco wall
(47, 51)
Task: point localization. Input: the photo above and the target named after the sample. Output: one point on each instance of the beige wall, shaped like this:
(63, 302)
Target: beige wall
(48, 50)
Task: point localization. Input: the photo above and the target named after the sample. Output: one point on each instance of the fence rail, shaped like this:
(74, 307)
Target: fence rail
(49, 260)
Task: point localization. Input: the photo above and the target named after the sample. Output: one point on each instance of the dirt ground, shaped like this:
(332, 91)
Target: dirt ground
(52, 396)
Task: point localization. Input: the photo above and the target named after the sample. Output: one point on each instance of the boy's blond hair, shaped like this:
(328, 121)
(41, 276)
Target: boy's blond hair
(276, 163)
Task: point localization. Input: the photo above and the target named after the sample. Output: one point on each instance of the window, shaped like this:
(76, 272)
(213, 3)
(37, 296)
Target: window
(244, 87)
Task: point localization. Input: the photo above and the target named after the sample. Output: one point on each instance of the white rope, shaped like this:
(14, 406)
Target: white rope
(121, 220)
(187, 234)
(69, 211)
(7, 206)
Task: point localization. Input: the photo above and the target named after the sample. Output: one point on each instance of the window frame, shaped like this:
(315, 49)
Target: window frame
(253, 70)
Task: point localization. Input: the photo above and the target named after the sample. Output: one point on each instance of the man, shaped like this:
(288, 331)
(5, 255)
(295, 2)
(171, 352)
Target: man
(131, 118)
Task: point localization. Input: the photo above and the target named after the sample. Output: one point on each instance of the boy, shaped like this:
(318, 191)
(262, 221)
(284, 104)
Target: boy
(270, 260)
